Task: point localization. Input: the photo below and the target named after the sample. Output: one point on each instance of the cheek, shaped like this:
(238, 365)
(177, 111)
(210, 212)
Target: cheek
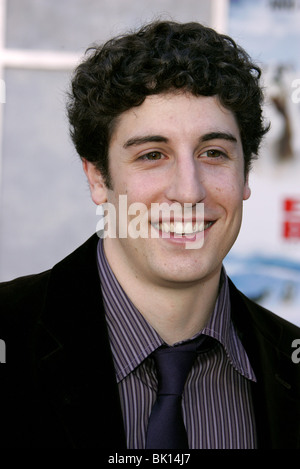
(145, 188)
(228, 193)
(226, 187)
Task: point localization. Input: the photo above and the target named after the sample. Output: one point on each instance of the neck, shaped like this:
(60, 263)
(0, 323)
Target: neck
(176, 311)
(179, 314)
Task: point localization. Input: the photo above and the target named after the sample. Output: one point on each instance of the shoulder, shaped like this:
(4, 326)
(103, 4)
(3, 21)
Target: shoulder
(21, 301)
(24, 297)
(33, 287)
(20, 283)
(21, 289)
(253, 318)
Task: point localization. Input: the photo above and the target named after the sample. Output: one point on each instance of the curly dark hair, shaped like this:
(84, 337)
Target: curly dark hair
(162, 56)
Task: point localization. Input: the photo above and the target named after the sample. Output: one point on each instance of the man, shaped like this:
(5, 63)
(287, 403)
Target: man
(167, 117)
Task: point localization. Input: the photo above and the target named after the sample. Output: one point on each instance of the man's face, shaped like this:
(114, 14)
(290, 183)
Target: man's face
(183, 149)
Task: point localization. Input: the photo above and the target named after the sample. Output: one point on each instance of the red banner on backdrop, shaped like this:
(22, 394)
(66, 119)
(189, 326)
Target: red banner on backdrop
(291, 223)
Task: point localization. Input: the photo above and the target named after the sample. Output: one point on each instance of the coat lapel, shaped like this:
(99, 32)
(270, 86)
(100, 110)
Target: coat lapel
(276, 393)
(76, 366)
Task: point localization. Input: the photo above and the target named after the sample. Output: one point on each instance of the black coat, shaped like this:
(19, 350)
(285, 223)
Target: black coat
(58, 387)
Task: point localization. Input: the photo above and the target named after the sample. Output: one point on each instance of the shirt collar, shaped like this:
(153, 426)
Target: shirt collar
(221, 328)
(133, 339)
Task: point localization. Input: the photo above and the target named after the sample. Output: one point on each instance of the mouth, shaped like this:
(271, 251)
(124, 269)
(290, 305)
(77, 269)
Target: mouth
(182, 229)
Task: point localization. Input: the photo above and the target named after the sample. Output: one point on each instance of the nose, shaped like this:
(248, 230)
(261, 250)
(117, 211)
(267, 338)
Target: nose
(186, 184)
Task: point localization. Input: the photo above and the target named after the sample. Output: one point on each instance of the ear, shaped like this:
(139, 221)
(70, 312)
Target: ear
(96, 182)
(247, 190)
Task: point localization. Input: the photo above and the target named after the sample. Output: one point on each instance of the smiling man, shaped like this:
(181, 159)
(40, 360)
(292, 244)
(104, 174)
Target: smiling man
(192, 154)
(139, 339)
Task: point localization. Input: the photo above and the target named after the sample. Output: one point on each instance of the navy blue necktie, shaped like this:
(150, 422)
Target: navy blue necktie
(166, 428)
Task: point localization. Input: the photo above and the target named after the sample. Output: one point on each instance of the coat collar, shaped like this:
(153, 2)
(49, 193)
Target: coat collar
(76, 366)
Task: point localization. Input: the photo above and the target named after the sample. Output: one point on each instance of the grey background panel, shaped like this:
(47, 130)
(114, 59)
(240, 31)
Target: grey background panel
(72, 24)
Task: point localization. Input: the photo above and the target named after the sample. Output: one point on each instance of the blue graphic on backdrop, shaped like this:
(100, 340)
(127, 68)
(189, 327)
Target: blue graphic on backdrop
(272, 282)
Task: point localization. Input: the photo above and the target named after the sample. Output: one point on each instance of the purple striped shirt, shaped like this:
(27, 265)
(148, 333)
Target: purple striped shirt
(217, 402)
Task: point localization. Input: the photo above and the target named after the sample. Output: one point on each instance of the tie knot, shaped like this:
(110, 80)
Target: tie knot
(173, 365)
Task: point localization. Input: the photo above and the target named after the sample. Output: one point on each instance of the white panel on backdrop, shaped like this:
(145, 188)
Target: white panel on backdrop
(265, 262)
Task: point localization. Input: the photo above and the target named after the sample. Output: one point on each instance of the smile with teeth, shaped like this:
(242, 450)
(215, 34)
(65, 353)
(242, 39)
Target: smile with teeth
(181, 228)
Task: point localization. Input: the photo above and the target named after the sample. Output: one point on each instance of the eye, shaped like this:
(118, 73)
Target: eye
(214, 154)
(152, 156)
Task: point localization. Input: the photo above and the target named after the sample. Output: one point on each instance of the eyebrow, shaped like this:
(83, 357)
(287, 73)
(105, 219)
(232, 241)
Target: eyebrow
(144, 139)
(135, 141)
(218, 136)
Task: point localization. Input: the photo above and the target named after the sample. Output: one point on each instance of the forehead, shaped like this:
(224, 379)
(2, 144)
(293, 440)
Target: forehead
(174, 114)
